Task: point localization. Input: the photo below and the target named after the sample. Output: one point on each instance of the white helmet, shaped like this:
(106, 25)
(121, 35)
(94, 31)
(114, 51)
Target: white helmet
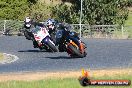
(27, 22)
(50, 22)
(27, 19)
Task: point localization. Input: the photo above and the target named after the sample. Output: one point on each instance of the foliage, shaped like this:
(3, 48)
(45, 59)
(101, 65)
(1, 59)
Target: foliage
(104, 12)
(33, 1)
(61, 12)
(100, 12)
(129, 3)
(12, 9)
(40, 10)
(15, 9)
(94, 11)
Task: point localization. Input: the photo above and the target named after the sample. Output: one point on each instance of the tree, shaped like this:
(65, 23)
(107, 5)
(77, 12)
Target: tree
(104, 12)
(14, 9)
(61, 12)
(40, 9)
(99, 12)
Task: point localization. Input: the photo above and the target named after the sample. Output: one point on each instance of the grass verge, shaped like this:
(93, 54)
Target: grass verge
(1, 56)
(62, 79)
(61, 83)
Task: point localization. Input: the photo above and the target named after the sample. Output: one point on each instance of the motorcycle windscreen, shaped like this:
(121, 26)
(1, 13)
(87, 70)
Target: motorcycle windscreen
(40, 33)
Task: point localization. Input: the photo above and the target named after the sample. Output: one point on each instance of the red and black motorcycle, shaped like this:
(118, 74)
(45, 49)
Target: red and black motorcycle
(69, 42)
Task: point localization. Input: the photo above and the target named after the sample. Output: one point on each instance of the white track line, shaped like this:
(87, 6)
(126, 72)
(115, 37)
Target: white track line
(15, 58)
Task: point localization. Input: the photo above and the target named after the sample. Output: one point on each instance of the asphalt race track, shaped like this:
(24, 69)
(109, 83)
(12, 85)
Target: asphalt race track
(102, 54)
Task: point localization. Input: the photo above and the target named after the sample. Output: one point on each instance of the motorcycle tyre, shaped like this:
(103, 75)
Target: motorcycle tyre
(76, 52)
(52, 47)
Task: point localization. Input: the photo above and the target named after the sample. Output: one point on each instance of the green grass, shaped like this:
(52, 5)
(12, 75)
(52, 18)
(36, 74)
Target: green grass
(61, 83)
(1, 56)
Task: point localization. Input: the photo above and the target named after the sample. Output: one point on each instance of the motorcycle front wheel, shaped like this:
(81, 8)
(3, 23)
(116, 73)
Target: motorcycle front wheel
(52, 46)
(75, 51)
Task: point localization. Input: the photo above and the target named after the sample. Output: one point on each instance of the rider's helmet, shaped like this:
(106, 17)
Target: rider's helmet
(27, 22)
(27, 19)
(50, 24)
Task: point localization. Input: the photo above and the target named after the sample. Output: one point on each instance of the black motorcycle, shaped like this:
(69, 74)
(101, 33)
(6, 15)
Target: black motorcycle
(69, 42)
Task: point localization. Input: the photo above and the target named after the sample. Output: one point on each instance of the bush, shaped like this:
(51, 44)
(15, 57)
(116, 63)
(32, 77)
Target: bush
(100, 12)
(61, 12)
(13, 9)
(40, 9)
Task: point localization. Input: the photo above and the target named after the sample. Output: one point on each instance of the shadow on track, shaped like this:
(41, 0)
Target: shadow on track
(62, 57)
(32, 51)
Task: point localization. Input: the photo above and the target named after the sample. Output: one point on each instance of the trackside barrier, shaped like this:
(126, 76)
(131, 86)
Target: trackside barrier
(14, 27)
(98, 31)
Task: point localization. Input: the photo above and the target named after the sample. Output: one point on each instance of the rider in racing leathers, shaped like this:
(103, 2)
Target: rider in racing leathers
(28, 33)
(50, 23)
(27, 23)
(69, 34)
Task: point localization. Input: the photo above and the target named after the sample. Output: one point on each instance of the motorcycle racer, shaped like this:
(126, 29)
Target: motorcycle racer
(51, 27)
(69, 41)
(27, 22)
(68, 33)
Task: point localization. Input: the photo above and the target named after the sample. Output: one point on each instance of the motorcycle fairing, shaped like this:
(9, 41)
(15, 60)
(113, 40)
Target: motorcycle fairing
(40, 33)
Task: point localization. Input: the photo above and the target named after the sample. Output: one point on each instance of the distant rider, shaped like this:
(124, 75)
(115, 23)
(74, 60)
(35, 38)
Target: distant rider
(27, 23)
